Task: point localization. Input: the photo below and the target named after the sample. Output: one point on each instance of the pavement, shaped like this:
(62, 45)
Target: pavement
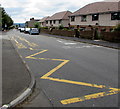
(0, 70)
(95, 42)
(17, 80)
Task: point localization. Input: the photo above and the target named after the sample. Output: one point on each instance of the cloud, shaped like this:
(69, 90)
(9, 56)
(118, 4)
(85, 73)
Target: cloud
(21, 10)
(12, 4)
(112, 0)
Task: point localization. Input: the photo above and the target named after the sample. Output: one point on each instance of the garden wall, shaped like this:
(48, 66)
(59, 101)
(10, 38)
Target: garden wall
(111, 36)
(107, 36)
(59, 32)
(86, 34)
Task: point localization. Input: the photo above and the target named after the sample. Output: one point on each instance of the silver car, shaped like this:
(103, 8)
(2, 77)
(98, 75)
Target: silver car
(34, 31)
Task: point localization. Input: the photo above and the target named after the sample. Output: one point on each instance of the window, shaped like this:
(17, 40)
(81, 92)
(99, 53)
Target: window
(46, 22)
(50, 21)
(103, 29)
(82, 28)
(59, 21)
(72, 18)
(115, 16)
(54, 21)
(95, 17)
(83, 18)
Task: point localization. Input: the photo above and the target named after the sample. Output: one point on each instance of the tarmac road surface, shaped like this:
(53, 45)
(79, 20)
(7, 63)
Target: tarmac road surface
(69, 73)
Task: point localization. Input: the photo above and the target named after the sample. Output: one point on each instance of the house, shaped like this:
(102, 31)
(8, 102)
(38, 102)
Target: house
(60, 18)
(104, 15)
(43, 21)
(31, 23)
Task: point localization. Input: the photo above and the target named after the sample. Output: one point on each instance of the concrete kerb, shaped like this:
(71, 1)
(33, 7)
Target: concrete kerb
(81, 41)
(26, 93)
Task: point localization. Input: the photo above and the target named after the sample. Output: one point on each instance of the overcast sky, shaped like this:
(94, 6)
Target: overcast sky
(22, 10)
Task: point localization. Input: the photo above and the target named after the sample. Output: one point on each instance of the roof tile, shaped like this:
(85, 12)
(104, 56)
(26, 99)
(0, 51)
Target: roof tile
(60, 15)
(98, 7)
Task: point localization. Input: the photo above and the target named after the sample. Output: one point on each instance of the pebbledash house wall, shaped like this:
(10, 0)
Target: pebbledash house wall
(31, 24)
(57, 24)
(104, 21)
(43, 24)
(65, 23)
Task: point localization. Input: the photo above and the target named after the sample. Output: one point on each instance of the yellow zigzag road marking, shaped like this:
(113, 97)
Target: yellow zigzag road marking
(53, 70)
(111, 91)
(88, 97)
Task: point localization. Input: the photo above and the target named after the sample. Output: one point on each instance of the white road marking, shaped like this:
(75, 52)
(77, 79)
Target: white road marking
(97, 40)
(60, 41)
(92, 46)
(70, 43)
(66, 43)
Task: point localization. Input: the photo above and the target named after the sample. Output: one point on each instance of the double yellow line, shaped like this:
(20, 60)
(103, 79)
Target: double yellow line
(29, 43)
(19, 45)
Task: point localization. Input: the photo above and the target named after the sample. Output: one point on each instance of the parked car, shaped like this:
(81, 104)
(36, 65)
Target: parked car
(22, 29)
(27, 30)
(34, 31)
(19, 28)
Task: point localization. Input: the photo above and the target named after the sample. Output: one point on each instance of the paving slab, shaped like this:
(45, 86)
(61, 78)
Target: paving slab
(0, 71)
(15, 76)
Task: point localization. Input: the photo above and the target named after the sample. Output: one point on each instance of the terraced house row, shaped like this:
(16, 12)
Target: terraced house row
(104, 15)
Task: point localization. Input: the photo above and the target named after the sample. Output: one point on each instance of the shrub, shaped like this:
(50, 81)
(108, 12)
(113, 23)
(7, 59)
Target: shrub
(44, 27)
(37, 25)
(65, 29)
(61, 27)
(117, 28)
(11, 27)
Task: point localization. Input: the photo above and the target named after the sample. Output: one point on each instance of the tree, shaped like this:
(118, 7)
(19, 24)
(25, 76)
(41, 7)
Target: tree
(0, 19)
(37, 25)
(6, 21)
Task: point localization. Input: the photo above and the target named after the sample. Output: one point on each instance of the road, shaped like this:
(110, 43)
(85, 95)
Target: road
(69, 73)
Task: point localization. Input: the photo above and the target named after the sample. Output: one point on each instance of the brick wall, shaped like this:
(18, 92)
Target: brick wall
(86, 34)
(59, 32)
(111, 36)
(107, 36)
